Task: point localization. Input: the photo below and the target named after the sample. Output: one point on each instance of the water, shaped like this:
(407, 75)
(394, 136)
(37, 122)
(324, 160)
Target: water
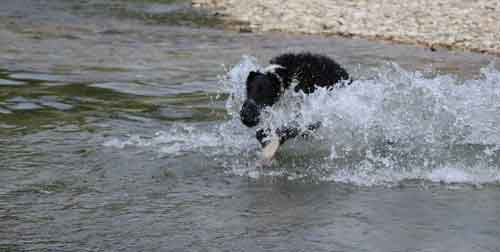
(119, 131)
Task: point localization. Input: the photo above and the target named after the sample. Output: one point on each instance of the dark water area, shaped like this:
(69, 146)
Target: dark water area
(119, 131)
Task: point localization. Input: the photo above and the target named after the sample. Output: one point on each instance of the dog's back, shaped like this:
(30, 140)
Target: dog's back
(310, 70)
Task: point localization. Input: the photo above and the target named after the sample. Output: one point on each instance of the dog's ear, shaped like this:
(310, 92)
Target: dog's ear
(276, 82)
(252, 76)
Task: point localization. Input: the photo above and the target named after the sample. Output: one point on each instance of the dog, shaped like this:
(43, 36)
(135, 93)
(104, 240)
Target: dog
(265, 88)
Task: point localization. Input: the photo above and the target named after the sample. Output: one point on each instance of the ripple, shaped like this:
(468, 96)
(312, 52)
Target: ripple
(38, 77)
(24, 106)
(5, 111)
(52, 102)
(4, 82)
(136, 89)
(22, 103)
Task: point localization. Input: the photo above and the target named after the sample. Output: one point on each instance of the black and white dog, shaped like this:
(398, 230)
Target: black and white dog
(265, 88)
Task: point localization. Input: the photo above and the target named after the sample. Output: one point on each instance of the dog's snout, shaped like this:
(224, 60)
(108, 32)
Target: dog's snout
(250, 113)
(249, 104)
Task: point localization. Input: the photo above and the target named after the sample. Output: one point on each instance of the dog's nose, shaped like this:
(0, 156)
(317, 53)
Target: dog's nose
(250, 113)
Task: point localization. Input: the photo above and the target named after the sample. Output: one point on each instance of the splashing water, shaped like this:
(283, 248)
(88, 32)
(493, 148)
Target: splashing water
(398, 125)
(395, 126)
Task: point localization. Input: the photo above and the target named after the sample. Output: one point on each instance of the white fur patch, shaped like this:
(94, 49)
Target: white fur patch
(272, 68)
(271, 148)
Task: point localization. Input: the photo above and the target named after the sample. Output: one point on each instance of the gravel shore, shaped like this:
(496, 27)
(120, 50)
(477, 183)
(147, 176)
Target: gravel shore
(455, 24)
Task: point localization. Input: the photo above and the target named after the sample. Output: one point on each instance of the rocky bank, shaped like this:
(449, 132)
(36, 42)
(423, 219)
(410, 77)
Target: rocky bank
(459, 24)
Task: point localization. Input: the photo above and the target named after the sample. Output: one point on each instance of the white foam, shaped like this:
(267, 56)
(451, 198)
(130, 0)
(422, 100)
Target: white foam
(450, 175)
(185, 138)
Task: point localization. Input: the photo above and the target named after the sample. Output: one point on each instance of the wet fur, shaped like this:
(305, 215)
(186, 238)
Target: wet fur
(310, 71)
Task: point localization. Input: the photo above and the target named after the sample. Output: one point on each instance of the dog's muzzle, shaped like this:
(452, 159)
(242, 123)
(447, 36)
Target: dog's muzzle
(250, 113)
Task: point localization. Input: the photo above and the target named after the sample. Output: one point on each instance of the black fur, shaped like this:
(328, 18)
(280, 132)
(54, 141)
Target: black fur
(310, 71)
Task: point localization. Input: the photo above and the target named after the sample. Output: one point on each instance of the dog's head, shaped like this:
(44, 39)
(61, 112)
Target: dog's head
(263, 89)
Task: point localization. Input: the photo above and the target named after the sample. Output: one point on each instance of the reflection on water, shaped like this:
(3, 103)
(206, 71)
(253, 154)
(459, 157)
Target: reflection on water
(119, 131)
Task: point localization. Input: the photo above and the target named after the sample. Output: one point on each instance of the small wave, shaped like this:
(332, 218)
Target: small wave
(185, 138)
(364, 176)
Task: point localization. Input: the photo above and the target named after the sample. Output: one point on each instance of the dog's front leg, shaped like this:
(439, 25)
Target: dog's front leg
(271, 141)
(284, 133)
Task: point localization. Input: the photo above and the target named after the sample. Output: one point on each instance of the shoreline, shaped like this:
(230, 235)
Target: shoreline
(436, 24)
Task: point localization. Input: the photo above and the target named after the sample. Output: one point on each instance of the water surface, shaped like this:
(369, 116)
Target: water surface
(119, 131)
